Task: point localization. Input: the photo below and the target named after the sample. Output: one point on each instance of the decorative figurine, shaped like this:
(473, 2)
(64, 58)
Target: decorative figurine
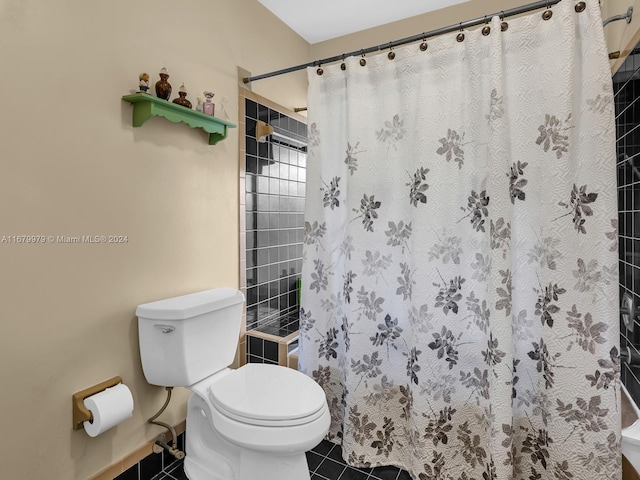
(222, 109)
(200, 103)
(209, 107)
(182, 98)
(144, 83)
(163, 88)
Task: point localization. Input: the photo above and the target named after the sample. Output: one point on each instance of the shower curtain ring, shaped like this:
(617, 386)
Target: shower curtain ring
(391, 55)
(460, 37)
(319, 71)
(504, 26)
(547, 14)
(423, 45)
(363, 62)
(486, 30)
(343, 66)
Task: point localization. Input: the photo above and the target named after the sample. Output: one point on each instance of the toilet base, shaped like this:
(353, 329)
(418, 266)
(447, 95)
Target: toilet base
(196, 471)
(266, 466)
(254, 465)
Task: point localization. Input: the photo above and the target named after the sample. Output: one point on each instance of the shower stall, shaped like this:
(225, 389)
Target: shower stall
(273, 162)
(627, 93)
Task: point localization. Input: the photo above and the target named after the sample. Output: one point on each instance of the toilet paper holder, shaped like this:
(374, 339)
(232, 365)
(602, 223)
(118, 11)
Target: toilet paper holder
(80, 412)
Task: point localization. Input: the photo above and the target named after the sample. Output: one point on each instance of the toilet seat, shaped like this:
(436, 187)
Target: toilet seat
(265, 395)
(268, 439)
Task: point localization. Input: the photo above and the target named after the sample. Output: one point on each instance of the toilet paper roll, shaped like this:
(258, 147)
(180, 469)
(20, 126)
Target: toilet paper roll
(109, 408)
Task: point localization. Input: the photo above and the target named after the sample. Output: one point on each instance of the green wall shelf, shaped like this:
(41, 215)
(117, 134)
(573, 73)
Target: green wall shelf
(145, 106)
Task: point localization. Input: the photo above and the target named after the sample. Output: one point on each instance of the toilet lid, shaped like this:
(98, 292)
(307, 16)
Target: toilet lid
(259, 393)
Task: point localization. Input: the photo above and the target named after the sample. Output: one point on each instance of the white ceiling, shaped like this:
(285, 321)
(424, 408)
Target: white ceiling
(320, 20)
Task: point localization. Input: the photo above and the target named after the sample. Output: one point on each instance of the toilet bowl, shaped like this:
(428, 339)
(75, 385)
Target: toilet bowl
(631, 435)
(263, 431)
(255, 422)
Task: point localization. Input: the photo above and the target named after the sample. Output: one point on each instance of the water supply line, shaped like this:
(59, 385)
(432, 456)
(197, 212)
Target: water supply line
(173, 447)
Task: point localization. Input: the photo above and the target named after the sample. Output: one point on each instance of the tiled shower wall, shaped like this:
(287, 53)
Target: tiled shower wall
(627, 95)
(275, 192)
(272, 209)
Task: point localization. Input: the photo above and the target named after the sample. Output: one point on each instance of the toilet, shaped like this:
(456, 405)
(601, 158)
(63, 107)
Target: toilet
(631, 434)
(255, 422)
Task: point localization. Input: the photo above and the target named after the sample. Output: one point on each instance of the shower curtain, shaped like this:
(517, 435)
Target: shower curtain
(459, 287)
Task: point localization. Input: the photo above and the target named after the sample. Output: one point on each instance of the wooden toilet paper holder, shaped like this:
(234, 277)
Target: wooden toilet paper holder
(80, 412)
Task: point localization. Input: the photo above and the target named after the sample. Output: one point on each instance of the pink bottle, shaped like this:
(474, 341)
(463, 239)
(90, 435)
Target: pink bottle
(209, 107)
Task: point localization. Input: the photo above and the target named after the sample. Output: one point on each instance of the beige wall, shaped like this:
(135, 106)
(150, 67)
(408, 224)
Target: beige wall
(71, 164)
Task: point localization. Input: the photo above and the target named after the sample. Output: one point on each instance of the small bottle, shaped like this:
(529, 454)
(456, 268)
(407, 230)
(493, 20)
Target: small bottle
(209, 107)
(163, 87)
(182, 97)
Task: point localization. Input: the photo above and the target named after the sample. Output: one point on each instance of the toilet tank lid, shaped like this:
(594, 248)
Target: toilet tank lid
(191, 305)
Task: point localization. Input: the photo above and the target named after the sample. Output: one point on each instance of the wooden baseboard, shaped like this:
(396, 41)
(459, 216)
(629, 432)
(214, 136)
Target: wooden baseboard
(131, 459)
(628, 472)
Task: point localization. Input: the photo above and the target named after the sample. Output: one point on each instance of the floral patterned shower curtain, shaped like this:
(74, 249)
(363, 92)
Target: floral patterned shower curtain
(459, 290)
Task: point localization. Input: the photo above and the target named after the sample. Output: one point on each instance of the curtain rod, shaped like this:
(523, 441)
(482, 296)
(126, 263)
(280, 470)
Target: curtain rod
(422, 36)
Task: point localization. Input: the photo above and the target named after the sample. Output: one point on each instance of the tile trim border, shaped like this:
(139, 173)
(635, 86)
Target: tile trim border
(132, 458)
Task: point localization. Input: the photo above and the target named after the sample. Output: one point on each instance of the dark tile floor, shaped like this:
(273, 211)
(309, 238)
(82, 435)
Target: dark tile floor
(325, 463)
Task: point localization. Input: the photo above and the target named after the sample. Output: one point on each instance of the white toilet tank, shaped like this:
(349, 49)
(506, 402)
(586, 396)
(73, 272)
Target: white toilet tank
(188, 338)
